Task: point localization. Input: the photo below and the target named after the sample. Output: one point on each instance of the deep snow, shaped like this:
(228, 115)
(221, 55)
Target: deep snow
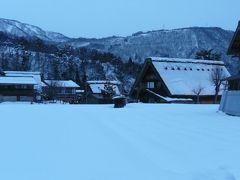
(98, 142)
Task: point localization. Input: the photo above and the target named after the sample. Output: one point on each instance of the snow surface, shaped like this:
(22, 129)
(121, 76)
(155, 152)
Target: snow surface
(98, 142)
(183, 76)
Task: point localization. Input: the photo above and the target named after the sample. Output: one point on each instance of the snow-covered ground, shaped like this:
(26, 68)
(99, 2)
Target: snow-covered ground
(98, 142)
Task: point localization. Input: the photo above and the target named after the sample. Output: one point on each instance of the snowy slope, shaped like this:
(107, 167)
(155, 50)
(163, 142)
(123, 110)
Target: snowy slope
(19, 29)
(182, 43)
(98, 142)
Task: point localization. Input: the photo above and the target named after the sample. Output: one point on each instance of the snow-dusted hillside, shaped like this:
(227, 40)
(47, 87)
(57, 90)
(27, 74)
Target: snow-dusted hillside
(98, 142)
(182, 43)
(19, 29)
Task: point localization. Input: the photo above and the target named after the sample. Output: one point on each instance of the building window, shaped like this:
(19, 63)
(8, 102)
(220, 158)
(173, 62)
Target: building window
(150, 85)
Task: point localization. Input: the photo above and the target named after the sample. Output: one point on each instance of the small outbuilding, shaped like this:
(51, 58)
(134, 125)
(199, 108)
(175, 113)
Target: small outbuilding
(102, 92)
(64, 90)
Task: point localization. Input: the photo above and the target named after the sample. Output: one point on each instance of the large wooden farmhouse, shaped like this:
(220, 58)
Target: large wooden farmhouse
(165, 80)
(230, 102)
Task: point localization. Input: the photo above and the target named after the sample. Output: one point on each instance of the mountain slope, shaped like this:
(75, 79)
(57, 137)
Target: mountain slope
(19, 29)
(182, 43)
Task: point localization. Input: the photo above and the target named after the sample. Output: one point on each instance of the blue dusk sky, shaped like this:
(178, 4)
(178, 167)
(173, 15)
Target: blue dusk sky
(101, 18)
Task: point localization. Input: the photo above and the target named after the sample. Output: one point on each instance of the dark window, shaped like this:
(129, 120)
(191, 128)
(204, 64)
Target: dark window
(150, 85)
(69, 91)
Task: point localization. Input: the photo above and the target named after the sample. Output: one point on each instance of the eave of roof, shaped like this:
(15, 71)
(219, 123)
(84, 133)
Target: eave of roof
(236, 77)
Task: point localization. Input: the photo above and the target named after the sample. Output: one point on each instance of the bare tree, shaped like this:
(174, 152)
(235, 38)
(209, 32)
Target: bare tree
(197, 91)
(51, 90)
(109, 90)
(217, 78)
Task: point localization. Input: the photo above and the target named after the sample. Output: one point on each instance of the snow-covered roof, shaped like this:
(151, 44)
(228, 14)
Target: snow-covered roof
(104, 82)
(180, 60)
(183, 76)
(6, 80)
(79, 91)
(43, 84)
(61, 83)
(21, 73)
(98, 86)
(35, 75)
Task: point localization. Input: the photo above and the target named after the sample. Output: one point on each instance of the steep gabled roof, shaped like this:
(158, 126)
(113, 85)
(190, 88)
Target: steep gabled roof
(183, 76)
(234, 47)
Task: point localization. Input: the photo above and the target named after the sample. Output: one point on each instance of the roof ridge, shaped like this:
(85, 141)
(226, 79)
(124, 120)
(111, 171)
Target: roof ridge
(181, 60)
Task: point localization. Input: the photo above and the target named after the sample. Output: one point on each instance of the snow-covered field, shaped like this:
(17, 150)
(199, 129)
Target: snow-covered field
(98, 142)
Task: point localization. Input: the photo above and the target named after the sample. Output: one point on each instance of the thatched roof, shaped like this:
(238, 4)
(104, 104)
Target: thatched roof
(183, 76)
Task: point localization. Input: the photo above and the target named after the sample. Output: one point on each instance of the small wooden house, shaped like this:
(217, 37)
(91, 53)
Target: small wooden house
(230, 102)
(65, 90)
(102, 92)
(165, 80)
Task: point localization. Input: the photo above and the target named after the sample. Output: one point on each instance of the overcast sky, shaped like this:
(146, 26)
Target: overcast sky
(101, 18)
